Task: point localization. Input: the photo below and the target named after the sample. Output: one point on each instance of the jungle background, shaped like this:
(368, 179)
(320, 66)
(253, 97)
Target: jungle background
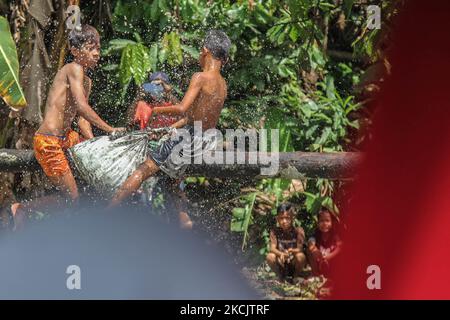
(307, 67)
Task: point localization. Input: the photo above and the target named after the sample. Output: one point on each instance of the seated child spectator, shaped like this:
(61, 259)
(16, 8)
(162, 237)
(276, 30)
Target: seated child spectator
(325, 245)
(286, 257)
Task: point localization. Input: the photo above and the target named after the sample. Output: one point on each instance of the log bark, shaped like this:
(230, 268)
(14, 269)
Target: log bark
(292, 165)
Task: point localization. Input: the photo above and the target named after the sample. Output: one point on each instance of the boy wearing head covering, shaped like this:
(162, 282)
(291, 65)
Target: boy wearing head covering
(155, 93)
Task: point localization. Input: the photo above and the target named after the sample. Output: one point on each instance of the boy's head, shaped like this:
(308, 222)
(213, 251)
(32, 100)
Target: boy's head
(285, 216)
(85, 45)
(325, 222)
(217, 44)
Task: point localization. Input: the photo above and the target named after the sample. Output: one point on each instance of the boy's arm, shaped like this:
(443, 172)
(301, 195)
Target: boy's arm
(131, 113)
(76, 76)
(180, 109)
(85, 128)
(180, 123)
(335, 252)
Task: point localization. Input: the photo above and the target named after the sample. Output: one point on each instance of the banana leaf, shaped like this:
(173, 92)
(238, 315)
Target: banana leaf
(10, 89)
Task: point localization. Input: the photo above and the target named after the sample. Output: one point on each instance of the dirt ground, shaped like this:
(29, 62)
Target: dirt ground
(267, 284)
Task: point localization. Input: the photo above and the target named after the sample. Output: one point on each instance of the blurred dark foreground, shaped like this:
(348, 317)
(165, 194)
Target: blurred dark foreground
(121, 254)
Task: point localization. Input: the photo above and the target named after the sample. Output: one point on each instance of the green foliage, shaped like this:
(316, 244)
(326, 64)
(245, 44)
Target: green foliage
(10, 89)
(242, 217)
(134, 63)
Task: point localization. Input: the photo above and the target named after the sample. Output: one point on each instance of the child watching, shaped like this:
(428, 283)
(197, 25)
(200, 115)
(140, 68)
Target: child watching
(325, 245)
(286, 257)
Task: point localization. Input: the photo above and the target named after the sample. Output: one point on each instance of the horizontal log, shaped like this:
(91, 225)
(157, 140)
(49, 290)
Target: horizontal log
(291, 165)
(13, 160)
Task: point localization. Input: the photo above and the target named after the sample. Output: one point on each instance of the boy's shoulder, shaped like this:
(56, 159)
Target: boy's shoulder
(198, 77)
(204, 76)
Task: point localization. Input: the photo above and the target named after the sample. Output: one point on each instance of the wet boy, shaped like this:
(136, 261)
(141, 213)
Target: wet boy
(68, 98)
(286, 257)
(158, 93)
(325, 245)
(202, 102)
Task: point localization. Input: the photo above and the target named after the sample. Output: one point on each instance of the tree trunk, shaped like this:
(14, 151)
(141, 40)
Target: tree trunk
(292, 165)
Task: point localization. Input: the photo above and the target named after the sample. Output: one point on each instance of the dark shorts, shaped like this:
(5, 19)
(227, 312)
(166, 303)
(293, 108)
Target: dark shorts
(164, 149)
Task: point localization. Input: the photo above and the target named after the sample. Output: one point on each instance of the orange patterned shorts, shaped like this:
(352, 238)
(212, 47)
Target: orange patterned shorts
(49, 152)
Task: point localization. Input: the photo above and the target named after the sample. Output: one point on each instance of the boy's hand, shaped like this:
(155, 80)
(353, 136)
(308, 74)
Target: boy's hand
(143, 114)
(116, 133)
(119, 129)
(284, 257)
(324, 262)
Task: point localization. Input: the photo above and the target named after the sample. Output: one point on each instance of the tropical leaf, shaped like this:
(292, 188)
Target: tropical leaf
(10, 89)
(154, 56)
(193, 52)
(171, 44)
(242, 217)
(135, 63)
(117, 45)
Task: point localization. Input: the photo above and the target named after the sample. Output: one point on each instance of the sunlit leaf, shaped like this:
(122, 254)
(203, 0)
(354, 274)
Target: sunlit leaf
(135, 63)
(10, 89)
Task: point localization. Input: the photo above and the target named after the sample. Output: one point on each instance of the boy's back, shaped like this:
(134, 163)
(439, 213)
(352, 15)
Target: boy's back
(209, 102)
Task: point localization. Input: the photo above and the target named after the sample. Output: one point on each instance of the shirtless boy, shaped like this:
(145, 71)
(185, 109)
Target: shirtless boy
(202, 102)
(68, 98)
(286, 257)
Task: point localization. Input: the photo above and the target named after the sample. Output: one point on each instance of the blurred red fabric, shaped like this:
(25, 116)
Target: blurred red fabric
(399, 216)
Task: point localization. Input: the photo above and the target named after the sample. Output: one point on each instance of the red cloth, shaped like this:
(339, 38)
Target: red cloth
(399, 216)
(144, 112)
(162, 120)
